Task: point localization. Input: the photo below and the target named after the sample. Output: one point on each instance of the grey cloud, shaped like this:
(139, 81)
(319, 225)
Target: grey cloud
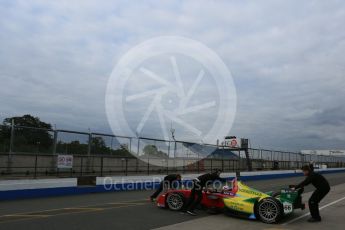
(286, 58)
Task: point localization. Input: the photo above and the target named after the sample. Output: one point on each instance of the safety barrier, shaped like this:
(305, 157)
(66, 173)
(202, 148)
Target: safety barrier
(19, 189)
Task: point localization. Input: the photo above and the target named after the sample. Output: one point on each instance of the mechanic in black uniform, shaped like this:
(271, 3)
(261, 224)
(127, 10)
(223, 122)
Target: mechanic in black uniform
(322, 188)
(170, 181)
(311, 165)
(197, 186)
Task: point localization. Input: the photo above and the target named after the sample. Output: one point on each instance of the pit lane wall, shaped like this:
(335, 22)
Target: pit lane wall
(36, 188)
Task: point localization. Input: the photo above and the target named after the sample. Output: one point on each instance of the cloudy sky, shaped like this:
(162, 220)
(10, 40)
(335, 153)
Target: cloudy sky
(286, 59)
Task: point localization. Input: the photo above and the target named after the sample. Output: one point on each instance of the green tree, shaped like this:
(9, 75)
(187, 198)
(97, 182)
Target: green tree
(31, 134)
(4, 141)
(122, 152)
(152, 150)
(98, 146)
(73, 147)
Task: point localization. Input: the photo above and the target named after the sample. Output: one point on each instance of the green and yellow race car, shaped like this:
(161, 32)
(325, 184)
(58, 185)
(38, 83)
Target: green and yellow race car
(268, 207)
(240, 200)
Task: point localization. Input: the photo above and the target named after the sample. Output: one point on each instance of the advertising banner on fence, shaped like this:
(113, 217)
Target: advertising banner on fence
(64, 161)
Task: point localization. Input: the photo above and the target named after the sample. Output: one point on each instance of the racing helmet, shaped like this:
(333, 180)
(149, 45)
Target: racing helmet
(226, 188)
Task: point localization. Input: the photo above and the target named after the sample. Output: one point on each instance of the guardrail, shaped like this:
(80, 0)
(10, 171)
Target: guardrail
(34, 188)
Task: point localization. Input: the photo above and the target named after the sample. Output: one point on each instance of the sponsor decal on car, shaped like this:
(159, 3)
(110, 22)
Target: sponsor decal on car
(250, 192)
(236, 206)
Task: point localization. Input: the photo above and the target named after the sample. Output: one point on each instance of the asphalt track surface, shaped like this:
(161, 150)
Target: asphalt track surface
(131, 210)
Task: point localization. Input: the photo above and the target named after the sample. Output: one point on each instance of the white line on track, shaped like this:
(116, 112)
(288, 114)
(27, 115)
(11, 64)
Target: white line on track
(307, 214)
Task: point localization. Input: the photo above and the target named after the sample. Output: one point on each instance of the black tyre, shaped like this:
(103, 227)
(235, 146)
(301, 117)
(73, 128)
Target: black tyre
(175, 201)
(269, 210)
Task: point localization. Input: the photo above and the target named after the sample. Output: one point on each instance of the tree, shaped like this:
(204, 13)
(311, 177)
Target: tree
(152, 150)
(28, 121)
(98, 146)
(122, 152)
(4, 141)
(31, 134)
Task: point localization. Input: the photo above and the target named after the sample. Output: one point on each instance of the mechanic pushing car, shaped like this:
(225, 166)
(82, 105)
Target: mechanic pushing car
(311, 165)
(322, 188)
(197, 186)
(170, 181)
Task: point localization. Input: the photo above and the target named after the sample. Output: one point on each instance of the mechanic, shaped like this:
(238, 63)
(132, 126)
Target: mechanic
(198, 184)
(311, 165)
(322, 188)
(170, 181)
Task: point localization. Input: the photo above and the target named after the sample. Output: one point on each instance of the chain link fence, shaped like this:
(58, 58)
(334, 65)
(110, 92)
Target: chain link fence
(33, 152)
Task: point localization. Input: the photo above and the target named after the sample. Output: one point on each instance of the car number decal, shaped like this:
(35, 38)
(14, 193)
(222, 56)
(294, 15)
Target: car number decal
(287, 207)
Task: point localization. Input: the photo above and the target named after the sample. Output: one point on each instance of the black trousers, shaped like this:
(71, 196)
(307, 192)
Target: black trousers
(162, 185)
(314, 201)
(159, 190)
(196, 191)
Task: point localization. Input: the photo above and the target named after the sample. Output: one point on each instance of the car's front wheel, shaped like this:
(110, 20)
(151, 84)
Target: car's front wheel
(269, 210)
(175, 201)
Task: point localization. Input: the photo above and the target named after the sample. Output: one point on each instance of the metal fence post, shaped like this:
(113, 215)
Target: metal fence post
(89, 144)
(88, 159)
(175, 153)
(102, 163)
(148, 166)
(54, 160)
(35, 173)
(183, 166)
(9, 158)
(168, 149)
(55, 141)
(138, 150)
(12, 137)
(126, 168)
(167, 166)
(130, 145)
(81, 165)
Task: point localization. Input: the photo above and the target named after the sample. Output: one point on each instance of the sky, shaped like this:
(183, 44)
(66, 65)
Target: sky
(286, 59)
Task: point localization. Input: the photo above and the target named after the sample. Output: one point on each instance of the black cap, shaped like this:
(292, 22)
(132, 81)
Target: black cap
(306, 168)
(217, 170)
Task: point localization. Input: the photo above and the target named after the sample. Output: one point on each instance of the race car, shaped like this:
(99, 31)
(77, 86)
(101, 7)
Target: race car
(240, 200)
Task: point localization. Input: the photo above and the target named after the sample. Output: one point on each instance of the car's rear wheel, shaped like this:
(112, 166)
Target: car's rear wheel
(175, 201)
(269, 210)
